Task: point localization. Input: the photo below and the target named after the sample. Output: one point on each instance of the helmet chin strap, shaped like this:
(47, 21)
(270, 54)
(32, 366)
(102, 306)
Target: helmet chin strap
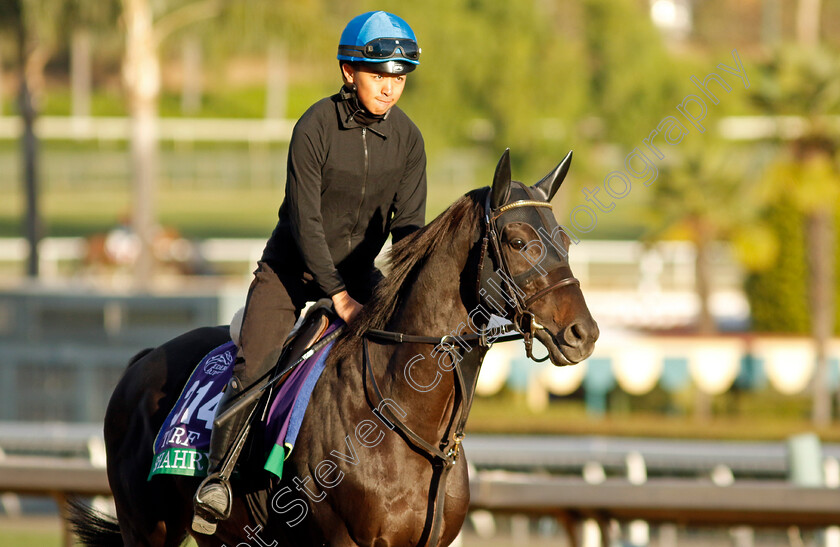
(358, 111)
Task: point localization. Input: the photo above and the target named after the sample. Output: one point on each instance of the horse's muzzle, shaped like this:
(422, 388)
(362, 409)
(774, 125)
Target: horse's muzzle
(572, 344)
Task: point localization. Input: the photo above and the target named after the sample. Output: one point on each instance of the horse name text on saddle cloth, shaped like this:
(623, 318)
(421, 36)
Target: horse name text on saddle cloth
(183, 443)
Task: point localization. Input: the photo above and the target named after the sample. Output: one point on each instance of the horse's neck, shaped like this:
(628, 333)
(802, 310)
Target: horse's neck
(432, 307)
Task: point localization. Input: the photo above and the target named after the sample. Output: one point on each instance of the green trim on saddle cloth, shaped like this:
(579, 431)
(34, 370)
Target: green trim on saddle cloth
(181, 461)
(278, 455)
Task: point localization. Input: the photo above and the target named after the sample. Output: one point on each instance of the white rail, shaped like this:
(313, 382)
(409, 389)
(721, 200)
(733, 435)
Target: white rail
(570, 500)
(102, 128)
(113, 128)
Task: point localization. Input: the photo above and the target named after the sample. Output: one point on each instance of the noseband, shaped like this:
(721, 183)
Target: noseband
(524, 321)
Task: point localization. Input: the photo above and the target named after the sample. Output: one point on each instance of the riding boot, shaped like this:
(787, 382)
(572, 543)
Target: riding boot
(214, 497)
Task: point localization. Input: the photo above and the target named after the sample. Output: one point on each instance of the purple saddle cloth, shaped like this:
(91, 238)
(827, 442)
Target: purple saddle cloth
(183, 442)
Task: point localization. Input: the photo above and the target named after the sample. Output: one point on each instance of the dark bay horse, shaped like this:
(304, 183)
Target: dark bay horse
(377, 459)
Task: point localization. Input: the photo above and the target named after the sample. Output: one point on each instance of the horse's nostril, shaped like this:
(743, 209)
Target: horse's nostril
(574, 334)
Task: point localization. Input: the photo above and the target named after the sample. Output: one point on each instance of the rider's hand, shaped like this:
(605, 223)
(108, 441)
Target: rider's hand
(345, 306)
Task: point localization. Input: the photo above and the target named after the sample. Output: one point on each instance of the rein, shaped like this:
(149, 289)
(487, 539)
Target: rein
(524, 325)
(400, 338)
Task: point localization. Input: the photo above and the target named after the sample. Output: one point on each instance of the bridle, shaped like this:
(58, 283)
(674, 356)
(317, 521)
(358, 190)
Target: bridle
(523, 322)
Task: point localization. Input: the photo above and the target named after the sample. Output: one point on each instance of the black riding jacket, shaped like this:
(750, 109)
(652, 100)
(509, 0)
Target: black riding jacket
(352, 179)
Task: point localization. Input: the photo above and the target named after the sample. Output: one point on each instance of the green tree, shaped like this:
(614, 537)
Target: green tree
(147, 26)
(39, 28)
(82, 24)
(776, 285)
(631, 77)
(494, 75)
(805, 82)
(34, 33)
(703, 196)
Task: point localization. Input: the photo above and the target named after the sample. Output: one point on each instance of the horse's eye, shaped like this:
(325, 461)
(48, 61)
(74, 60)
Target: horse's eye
(517, 244)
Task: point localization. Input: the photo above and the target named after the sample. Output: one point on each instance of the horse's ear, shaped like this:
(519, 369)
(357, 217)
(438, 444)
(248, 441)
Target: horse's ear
(552, 181)
(500, 192)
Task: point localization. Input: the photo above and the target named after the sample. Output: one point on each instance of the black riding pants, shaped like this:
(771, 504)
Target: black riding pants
(274, 303)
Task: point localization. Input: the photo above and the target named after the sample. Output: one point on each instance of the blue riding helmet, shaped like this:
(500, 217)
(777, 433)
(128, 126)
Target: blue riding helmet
(381, 39)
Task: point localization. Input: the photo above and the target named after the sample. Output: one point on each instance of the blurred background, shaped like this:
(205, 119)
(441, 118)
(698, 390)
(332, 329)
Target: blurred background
(142, 161)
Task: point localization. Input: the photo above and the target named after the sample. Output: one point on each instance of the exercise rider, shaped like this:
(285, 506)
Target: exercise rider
(356, 174)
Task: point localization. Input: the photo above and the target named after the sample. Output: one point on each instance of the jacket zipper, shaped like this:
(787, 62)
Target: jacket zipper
(364, 187)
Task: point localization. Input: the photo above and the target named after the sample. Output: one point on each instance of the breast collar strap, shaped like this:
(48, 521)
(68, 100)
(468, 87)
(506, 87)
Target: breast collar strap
(443, 462)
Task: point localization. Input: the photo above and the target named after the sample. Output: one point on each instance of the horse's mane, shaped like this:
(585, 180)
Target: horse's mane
(406, 257)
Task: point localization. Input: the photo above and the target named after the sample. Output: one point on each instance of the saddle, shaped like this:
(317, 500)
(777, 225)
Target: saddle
(306, 331)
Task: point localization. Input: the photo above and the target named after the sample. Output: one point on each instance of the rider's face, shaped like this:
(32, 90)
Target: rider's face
(377, 91)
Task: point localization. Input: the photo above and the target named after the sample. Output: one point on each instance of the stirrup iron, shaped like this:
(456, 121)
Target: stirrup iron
(207, 515)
